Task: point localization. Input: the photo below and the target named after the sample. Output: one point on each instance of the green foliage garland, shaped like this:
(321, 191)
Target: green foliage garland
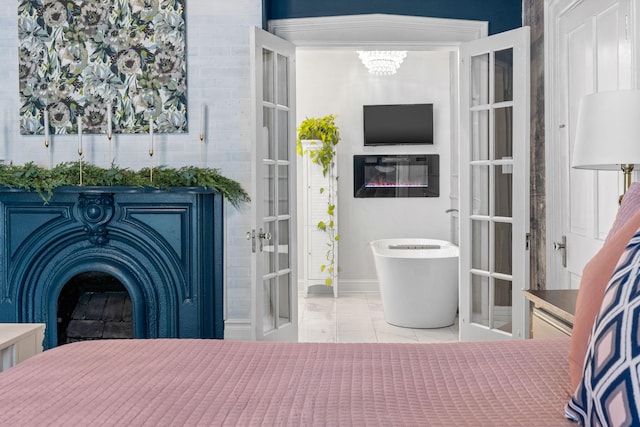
(33, 177)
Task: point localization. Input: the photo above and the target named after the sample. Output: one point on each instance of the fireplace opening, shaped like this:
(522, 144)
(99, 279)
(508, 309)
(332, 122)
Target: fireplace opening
(92, 306)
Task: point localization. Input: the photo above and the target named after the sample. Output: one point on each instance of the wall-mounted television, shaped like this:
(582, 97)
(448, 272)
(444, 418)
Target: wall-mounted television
(398, 124)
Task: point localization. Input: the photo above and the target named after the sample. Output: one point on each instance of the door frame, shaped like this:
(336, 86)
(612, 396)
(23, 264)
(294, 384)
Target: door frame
(378, 31)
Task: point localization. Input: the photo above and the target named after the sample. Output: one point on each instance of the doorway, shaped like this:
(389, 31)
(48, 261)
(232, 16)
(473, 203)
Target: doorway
(427, 39)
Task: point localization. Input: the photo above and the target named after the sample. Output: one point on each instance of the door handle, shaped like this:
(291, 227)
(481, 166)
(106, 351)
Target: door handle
(562, 246)
(251, 235)
(262, 236)
(265, 236)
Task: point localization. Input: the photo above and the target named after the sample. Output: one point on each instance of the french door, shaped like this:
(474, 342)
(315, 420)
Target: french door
(273, 237)
(494, 189)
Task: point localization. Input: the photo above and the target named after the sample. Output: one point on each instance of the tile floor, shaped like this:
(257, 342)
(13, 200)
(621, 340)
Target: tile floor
(357, 317)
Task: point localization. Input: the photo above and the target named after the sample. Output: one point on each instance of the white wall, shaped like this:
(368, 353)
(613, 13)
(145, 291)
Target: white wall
(218, 75)
(336, 82)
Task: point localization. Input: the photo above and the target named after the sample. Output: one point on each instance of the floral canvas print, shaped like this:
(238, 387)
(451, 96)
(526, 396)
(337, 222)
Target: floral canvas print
(80, 57)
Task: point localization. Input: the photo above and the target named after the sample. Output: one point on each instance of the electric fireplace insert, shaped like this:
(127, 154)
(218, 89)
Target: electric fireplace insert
(396, 175)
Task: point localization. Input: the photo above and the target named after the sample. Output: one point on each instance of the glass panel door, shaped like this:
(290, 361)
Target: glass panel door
(274, 198)
(494, 186)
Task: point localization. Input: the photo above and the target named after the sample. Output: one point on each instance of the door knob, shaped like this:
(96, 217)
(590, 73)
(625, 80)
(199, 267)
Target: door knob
(265, 236)
(262, 236)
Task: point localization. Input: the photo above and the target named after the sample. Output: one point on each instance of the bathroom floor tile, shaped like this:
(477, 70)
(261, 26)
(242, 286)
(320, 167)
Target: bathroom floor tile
(358, 317)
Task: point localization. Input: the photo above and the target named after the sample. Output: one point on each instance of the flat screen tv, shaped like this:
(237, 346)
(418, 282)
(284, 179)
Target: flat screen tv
(398, 124)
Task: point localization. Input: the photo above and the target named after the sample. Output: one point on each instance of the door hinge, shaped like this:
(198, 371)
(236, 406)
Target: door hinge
(527, 243)
(626, 27)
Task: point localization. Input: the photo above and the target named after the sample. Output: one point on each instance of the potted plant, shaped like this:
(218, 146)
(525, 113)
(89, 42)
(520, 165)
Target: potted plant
(321, 135)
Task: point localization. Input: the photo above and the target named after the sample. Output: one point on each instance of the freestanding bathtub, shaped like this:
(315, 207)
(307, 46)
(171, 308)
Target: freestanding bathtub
(418, 281)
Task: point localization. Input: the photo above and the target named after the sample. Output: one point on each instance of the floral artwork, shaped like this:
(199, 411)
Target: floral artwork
(78, 57)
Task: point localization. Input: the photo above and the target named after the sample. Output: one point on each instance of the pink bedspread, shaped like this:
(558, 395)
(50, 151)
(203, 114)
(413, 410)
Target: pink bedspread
(208, 382)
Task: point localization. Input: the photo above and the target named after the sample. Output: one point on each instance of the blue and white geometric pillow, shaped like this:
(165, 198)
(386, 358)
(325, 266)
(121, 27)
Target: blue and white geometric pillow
(609, 393)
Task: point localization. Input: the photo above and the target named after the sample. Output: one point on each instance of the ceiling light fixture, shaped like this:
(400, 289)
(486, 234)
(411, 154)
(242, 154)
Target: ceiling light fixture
(382, 62)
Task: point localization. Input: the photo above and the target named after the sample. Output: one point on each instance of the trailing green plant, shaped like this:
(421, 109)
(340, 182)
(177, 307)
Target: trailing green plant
(33, 177)
(323, 129)
(326, 131)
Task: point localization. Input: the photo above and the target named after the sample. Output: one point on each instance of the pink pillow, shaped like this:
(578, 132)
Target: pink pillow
(609, 390)
(629, 206)
(595, 276)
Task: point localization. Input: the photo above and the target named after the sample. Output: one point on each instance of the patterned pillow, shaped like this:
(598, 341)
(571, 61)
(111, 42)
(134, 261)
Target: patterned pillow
(609, 393)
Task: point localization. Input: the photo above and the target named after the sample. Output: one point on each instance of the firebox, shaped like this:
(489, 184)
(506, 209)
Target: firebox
(130, 262)
(396, 175)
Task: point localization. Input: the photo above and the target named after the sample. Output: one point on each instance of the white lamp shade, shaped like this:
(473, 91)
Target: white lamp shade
(608, 131)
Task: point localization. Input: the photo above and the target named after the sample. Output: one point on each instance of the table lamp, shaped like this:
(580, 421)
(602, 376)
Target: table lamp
(608, 133)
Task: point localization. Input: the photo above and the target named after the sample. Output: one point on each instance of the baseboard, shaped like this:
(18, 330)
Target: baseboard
(239, 329)
(346, 286)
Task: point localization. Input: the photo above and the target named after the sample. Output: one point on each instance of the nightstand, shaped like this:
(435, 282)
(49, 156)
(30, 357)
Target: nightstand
(552, 312)
(19, 341)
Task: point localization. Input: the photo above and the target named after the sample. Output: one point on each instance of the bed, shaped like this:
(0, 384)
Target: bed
(214, 382)
(592, 377)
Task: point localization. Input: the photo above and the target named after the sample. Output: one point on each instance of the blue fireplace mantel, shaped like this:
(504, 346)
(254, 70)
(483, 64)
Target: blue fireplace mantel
(164, 246)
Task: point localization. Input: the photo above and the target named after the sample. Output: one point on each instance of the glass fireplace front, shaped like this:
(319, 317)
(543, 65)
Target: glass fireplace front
(396, 175)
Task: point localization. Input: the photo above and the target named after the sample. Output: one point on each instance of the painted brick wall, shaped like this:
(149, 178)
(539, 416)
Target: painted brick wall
(218, 76)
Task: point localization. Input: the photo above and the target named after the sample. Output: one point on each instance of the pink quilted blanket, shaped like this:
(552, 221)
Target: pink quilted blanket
(209, 382)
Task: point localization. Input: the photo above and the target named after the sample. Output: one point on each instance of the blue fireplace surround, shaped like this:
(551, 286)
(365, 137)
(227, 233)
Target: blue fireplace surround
(164, 246)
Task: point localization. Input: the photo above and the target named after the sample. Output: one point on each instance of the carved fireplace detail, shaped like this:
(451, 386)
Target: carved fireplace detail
(165, 247)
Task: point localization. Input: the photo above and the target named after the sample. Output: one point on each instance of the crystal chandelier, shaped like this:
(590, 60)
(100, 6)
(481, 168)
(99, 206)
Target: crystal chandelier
(382, 62)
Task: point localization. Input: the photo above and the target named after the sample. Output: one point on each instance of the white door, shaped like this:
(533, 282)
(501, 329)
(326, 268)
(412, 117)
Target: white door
(275, 281)
(494, 186)
(590, 51)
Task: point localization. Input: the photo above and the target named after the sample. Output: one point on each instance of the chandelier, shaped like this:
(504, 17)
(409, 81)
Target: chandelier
(382, 62)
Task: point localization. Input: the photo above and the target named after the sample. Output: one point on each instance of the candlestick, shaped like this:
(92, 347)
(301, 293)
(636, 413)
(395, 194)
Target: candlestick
(151, 151)
(80, 146)
(47, 143)
(203, 109)
(151, 137)
(109, 124)
(79, 135)
(46, 128)
(202, 149)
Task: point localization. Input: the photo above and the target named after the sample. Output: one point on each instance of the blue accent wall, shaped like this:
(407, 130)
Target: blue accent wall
(502, 15)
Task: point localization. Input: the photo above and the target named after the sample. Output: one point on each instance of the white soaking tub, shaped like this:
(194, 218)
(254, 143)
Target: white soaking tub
(418, 281)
